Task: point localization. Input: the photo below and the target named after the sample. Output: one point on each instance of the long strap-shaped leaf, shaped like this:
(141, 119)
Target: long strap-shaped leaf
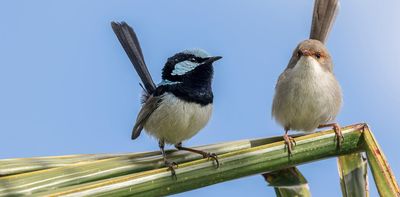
(383, 175)
(353, 175)
(288, 182)
(256, 157)
(100, 168)
(236, 164)
(23, 165)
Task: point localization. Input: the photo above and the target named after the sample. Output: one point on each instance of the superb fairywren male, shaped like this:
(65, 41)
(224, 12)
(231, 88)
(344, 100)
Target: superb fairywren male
(181, 105)
(307, 94)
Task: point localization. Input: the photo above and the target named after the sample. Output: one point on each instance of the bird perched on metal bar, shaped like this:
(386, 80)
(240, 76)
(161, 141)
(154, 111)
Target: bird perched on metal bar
(307, 94)
(178, 107)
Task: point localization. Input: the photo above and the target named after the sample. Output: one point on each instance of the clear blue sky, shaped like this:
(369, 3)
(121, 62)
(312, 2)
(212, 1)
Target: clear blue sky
(67, 87)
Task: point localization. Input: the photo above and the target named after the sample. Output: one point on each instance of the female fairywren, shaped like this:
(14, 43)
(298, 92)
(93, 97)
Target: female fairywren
(307, 94)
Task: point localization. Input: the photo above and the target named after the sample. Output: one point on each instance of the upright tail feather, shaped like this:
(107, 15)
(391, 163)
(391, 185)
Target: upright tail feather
(324, 15)
(130, 43)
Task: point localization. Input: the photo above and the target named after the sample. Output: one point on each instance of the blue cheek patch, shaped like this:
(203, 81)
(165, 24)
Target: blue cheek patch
(168, 82)
(183, 67)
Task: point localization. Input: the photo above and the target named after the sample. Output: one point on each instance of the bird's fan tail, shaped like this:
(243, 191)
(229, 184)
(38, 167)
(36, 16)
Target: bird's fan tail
(130, 43)
(324, 15)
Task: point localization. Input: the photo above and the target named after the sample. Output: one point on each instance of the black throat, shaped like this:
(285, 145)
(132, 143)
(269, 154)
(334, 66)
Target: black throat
(194, 87)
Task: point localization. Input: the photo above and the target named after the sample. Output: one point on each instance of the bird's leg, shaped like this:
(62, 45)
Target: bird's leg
(171, 165)
(289, 142)
(207, 155)
(338, 132)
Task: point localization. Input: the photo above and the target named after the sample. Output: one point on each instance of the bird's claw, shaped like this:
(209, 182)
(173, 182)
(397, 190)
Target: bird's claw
(171, 167)
(289, 143)
(339, 136)
(212, 156)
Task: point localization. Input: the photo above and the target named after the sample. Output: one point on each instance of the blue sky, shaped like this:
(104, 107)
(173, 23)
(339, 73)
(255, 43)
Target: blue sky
(67, 87)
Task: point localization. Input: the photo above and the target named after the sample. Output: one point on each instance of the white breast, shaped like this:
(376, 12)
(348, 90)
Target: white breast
(176, 120)
(307, 97)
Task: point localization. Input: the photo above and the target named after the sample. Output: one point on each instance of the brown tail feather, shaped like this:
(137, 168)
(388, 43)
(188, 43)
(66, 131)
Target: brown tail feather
(324, 15)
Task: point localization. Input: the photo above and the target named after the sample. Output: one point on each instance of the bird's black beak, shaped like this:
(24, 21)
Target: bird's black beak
(211, 59)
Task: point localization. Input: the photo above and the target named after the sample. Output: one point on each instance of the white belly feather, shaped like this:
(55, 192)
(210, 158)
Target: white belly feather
(307, 97)
(176, 120)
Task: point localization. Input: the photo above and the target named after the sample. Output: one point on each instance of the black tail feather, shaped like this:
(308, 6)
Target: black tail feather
(324, 15)
(127, 37)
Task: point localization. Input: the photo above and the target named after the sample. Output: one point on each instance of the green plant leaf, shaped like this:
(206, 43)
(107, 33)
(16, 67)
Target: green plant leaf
(353, 175)
(235, 164)
(98, 167)
(288, 182)
(383, 175)
(143, 174)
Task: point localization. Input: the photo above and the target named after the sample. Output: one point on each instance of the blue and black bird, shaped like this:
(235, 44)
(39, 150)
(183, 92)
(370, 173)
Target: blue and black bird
(181, 105)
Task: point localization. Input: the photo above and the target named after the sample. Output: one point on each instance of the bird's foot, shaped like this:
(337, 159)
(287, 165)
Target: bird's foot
(339, 138)
(207, 155)
(212, 156)
(289, 143)
(171, 167)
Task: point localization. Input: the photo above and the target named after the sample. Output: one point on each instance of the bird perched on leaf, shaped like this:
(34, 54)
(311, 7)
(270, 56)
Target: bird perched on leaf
(307, 94)
(181, 105)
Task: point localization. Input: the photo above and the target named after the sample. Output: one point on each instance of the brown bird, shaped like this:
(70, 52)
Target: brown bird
(307, 94)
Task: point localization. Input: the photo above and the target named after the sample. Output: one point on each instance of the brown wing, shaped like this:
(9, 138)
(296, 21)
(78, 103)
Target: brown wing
(282, 77)
(148, 108)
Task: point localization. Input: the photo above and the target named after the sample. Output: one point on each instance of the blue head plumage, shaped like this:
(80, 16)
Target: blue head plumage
(185, 66)
(183, 63)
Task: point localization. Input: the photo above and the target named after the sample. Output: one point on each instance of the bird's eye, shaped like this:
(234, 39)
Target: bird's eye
(299, 53)
(318, 55)
(192, 59)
